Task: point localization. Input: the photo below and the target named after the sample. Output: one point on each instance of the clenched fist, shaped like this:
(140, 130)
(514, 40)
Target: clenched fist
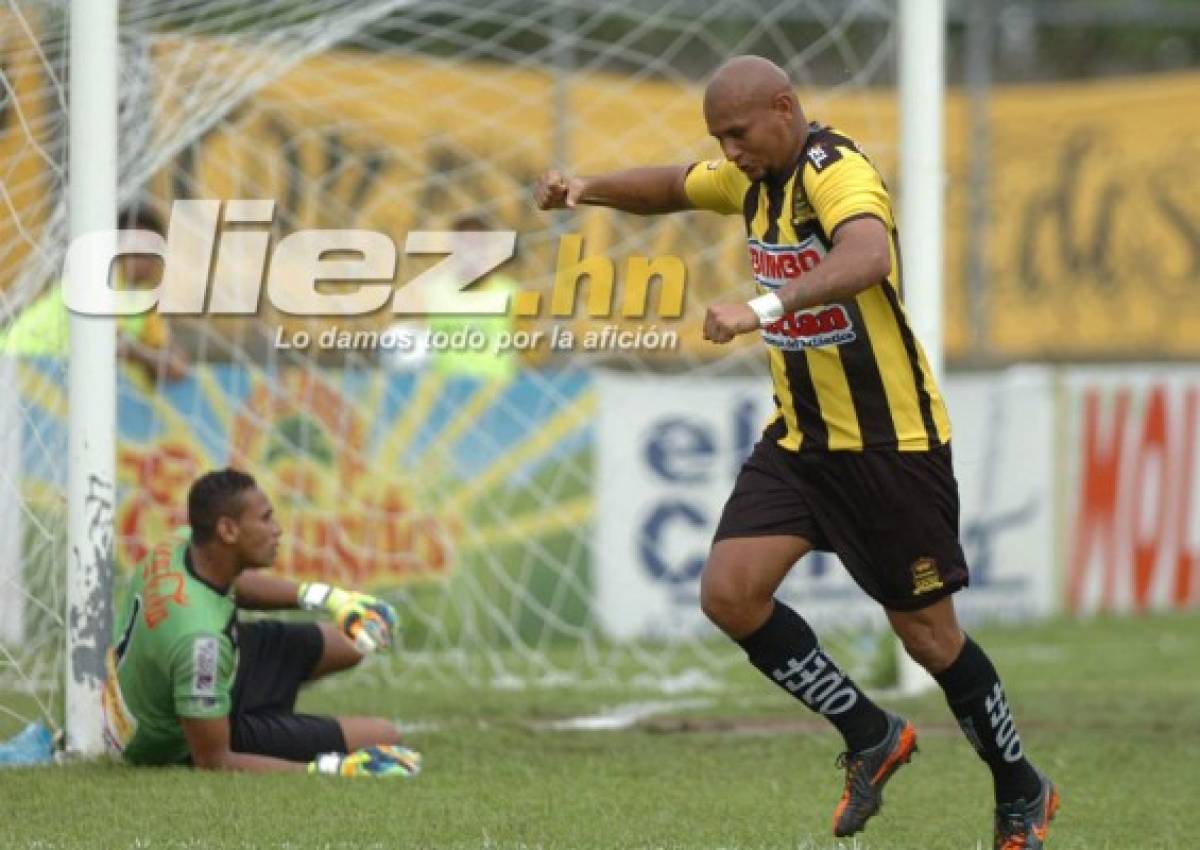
(556, 191)
(723, 322)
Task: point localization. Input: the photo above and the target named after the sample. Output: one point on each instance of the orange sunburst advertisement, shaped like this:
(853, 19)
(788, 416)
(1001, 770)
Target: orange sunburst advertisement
(378, 479)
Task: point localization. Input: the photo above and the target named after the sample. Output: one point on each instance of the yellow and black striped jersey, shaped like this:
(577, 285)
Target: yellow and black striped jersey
(849, 375)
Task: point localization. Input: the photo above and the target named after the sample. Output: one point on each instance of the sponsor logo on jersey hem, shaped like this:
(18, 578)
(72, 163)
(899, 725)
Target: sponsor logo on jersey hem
(798, 343)
(814, 328)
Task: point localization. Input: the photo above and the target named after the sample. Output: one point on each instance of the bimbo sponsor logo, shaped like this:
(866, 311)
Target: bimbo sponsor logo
(776, 265)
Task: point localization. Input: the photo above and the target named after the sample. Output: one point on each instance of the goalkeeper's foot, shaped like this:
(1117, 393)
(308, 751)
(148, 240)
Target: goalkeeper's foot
(867, 771)
(383, 760)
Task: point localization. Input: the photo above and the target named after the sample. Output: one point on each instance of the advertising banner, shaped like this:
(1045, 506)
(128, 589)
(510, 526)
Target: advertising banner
(1132, 492)
(1066, 234)
(668, 452)
(378, 478)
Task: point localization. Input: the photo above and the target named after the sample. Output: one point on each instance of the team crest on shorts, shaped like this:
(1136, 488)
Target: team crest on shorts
(925, 576)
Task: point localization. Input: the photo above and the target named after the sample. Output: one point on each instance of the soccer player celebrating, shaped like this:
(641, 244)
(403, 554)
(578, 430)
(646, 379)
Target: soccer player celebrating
(857, 458)
(189, 683)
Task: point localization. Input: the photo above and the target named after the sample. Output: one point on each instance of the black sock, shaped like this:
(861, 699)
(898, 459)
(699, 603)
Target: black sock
(976, 697)
(785, 649)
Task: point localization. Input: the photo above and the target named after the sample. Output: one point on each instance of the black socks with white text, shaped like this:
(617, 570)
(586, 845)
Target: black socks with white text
(786, 650)
(976, 697)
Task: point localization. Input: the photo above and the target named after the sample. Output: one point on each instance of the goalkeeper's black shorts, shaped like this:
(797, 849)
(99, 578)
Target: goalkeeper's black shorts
(890, 516)
(274, 660)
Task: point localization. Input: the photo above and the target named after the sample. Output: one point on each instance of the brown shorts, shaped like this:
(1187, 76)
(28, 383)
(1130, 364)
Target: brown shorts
(890, 516)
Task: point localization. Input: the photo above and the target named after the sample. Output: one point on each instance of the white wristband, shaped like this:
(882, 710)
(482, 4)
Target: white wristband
(329, 764)
(767, 307)
(313, 596)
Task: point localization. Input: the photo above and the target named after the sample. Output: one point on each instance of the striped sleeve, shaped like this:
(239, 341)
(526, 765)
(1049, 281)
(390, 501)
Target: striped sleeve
(716, 185)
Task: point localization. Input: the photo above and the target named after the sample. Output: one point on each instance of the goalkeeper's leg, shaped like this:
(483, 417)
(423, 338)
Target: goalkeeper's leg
(362, 732)
(303, 737)
(337, 654)
(276, 659)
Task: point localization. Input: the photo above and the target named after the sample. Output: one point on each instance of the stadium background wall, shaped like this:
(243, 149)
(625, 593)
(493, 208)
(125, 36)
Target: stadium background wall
(1094, 470)
(1091, 225)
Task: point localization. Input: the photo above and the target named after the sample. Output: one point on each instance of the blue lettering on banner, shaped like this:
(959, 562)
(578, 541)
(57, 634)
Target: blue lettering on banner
(651, 542)
(681, 451)
(690, 453)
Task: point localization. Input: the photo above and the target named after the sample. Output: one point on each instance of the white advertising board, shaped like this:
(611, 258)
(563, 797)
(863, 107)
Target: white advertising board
(668, 452)
(1131, 489)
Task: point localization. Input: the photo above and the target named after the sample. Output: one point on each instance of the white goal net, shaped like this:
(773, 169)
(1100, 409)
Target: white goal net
(462, 487)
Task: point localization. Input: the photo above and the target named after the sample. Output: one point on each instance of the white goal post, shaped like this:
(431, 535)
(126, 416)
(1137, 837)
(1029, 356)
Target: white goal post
(92, 387)
(467, 499)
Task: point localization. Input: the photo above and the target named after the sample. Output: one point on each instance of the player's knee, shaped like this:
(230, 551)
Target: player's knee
(932, 650)
(729, 605)
(715, 606)
(919, 649)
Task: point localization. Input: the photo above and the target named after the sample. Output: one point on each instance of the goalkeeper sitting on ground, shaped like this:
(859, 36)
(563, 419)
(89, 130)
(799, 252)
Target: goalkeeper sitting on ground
(188, 683)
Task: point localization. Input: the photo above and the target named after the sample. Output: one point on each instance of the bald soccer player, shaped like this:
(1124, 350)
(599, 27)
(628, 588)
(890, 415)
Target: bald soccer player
(857, 458)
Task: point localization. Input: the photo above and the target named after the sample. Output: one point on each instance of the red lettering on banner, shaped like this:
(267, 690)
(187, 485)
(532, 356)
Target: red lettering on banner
(1134, 521)
(1185, 558)
(1150, 460)
(1100, 475)
(160, 474)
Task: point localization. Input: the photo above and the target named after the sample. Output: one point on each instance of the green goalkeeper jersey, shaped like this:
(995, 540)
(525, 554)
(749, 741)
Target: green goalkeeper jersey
(175, 657)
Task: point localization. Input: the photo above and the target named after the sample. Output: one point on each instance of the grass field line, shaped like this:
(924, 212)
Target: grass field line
(624, 716)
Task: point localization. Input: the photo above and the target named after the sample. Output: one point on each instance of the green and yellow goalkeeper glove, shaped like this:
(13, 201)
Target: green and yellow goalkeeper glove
(371, 761)
(370, 622)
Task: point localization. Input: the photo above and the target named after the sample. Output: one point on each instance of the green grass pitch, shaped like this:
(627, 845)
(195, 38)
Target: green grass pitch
(1110, 708)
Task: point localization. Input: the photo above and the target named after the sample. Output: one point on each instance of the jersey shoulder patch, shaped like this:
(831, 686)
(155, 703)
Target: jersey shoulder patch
(821, 154)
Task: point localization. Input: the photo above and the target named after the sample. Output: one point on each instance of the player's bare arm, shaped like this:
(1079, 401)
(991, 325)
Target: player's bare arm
(645, 191)
(261, 591)
(858, 260)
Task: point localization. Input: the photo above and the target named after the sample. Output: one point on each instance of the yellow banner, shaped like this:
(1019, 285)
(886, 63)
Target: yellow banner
(28, 152)
(1094, 244)
(1092, 249)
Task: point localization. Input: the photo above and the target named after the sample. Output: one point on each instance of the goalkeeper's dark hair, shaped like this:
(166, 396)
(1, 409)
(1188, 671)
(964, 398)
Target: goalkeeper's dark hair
(214, 495)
